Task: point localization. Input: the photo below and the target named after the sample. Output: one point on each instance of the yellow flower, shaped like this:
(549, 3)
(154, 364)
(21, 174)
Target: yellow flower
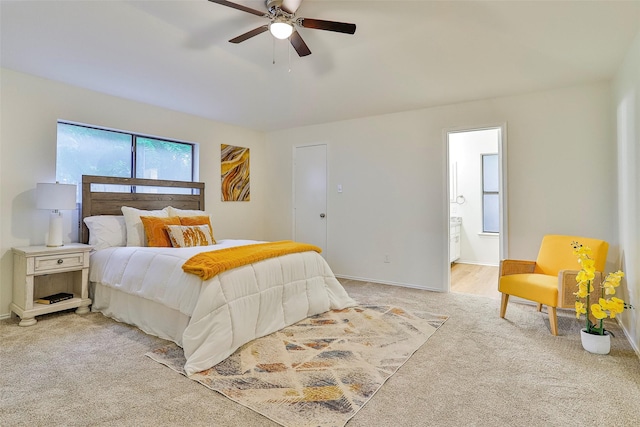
(588, 264)
(615, 306)
(614, 278)
(597, 311)
(609, 289)
(584, 275)
(582, 252)
(583, 290)
(580, 309)
(611, 282)
(618, 274)
(617, 300)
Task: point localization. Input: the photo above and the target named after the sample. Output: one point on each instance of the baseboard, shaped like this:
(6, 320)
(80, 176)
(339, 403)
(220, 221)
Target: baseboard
(5, 316)
(384, 282)
(462, 261)
(629, 338)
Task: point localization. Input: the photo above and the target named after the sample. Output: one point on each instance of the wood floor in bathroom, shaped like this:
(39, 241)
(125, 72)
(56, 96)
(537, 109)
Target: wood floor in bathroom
(475, 279)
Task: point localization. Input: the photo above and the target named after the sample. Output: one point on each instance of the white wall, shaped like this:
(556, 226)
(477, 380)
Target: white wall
(466, 150)
(393, 172)
(392, 169)
(30, 108)
(626, 90)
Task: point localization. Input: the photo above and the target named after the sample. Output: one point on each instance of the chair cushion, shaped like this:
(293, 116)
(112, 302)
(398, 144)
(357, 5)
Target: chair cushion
(556, 253)
(535, 287)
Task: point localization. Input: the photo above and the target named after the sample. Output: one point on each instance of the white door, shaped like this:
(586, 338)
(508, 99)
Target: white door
(310, 195)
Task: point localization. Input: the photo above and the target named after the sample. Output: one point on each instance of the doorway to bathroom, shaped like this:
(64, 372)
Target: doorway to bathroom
(477, 208)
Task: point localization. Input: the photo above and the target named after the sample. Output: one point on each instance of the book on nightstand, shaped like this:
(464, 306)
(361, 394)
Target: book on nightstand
(52, 299)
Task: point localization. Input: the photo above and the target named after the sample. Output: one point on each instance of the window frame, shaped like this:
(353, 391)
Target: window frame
(134, 145)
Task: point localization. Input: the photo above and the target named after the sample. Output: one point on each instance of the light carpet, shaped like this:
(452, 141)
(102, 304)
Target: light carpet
(319, 371)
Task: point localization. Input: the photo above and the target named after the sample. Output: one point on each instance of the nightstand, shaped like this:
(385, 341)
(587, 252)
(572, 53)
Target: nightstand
(39, 271)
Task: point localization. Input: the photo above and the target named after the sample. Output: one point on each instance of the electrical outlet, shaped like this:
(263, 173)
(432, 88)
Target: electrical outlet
(387, 259)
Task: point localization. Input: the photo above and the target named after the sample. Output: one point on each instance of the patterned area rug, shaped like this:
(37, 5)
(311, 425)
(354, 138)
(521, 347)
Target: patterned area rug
(319, 371)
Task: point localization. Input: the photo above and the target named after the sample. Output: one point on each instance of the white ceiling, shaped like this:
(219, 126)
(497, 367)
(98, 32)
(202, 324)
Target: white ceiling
(404, 55)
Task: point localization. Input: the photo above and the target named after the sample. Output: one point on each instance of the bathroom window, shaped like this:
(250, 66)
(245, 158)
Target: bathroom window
(490, 194)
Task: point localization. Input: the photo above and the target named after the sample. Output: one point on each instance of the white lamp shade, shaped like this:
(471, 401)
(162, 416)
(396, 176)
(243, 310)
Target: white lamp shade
(55, 196)
(280, 30)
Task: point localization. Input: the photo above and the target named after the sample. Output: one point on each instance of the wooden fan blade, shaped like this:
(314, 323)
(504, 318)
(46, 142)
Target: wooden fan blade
(240, 7)
(249, 34)
(299, 45)
(290, 6)
(319, 24)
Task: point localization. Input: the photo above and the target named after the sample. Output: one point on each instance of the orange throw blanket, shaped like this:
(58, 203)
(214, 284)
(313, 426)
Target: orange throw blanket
(208, 264)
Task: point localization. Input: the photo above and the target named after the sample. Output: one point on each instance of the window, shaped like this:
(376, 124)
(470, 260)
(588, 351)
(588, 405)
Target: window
(490, 194)
(85, 150)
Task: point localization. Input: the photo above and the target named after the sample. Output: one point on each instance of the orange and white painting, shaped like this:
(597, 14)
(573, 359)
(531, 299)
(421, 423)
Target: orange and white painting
(234, 166)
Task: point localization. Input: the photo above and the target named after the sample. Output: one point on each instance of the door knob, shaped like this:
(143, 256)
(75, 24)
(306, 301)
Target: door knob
(322, 215)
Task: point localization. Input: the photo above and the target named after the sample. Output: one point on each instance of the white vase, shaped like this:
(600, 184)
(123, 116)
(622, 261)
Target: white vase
(597, 344)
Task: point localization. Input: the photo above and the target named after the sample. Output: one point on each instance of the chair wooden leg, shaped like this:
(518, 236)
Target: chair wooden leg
(553, 320)
(539, 307)
(503, 305)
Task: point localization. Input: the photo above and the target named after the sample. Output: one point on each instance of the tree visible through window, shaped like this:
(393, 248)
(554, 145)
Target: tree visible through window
(85, 150)
(490, 194)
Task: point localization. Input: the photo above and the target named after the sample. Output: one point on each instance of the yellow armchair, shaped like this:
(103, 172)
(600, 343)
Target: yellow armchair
(551, 279)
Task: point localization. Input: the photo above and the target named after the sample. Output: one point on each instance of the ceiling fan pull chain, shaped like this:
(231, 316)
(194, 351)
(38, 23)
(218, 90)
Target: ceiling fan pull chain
(274, 50)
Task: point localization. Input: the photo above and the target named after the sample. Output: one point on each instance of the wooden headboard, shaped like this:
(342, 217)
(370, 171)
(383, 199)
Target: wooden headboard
(108, 201)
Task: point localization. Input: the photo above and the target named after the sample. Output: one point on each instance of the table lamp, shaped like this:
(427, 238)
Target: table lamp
(55, 197)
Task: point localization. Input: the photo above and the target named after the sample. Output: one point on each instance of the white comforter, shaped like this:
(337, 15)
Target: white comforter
(231, 308)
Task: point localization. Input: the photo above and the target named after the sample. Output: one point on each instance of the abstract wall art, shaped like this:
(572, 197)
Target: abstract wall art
(234, 167)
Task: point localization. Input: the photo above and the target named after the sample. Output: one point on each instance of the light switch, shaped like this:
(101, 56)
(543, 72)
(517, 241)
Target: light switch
(339, 188)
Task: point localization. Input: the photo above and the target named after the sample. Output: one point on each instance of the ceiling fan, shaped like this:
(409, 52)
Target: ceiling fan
(283, 20)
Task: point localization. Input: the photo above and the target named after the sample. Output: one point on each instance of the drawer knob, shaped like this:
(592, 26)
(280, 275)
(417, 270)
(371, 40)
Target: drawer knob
(60, 261)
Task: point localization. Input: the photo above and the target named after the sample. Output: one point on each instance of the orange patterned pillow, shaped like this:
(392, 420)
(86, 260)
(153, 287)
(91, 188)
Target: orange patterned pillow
(184, 236)
(198, 220)
(154, 229)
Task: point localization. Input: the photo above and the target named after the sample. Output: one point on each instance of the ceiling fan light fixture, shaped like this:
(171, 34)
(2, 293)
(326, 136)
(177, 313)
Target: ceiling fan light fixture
(281, 30)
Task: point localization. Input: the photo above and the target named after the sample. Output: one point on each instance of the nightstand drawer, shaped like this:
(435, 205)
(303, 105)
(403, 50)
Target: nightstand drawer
(43, 264)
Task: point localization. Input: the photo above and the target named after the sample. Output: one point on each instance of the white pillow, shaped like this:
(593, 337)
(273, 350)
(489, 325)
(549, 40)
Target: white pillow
(185, 212)
(135, 229)
(106, 231)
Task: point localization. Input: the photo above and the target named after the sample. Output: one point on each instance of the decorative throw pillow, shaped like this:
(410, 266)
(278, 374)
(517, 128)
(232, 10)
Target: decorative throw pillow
(155, 230)
(198, 220)
(135, 229)
(106, 231)
(184, 236)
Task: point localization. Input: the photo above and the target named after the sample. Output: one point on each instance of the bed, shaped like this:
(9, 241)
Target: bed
(148, 288)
